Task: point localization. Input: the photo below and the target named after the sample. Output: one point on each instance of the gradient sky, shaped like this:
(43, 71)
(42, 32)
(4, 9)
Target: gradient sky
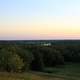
(39, 19)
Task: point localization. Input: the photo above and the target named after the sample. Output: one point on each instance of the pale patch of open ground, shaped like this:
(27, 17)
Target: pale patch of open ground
(36, 77)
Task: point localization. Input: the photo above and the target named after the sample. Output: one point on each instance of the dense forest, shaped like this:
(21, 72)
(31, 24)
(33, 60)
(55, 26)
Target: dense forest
(23, 56)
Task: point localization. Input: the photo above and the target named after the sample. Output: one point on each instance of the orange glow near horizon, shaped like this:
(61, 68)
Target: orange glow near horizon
(60, 28)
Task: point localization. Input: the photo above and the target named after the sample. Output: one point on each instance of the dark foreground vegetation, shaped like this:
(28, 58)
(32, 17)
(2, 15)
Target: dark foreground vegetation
(60, 58)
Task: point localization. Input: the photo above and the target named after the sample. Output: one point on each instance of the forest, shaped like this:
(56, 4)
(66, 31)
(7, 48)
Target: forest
(40, 60)
(27, 57)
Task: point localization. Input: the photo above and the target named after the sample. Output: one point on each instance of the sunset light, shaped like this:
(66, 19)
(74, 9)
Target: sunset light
(40, 19)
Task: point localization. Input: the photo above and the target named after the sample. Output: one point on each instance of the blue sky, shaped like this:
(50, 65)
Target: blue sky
(33, 7)
(39, 19)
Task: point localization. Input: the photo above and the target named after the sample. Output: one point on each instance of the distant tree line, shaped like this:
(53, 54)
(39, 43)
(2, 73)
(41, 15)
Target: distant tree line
(21, 58)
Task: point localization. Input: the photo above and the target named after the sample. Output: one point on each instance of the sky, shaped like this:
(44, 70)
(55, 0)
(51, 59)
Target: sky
(39, 19)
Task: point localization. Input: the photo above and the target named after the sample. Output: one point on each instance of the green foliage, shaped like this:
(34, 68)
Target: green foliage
(15, 57)
(27, 57)
(15, 63)
(10, 61)
(3, 59)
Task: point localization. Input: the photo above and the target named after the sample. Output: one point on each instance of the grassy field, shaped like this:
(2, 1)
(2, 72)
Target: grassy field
(25, 76)
(14, 76)
(68, 72)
